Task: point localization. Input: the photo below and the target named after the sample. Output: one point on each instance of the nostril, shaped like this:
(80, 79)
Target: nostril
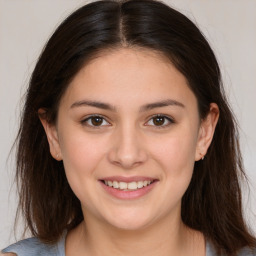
(127, 154)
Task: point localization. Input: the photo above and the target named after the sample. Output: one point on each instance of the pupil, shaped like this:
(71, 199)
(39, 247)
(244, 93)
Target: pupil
(96, 121)
(158, 120)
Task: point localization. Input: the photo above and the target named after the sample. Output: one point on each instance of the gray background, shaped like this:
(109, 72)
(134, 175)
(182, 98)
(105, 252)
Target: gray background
(25, 25)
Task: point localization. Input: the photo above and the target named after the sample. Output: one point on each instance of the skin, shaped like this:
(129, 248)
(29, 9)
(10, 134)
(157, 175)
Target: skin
(130, 143)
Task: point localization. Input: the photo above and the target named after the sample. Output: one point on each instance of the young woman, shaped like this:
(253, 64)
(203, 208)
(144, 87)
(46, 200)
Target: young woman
(127, 145)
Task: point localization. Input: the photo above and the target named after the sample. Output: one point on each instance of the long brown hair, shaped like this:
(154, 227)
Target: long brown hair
(212, 203)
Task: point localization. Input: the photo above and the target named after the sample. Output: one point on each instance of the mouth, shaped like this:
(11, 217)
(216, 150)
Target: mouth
(128, 188)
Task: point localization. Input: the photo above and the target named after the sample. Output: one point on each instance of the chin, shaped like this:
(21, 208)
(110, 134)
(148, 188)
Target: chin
(133, 225)
(130, 222)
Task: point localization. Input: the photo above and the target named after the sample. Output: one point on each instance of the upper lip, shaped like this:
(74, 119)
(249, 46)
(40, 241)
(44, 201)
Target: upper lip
(128, 179)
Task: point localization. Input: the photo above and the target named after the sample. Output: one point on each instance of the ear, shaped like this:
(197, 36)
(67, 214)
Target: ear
(206, 131)
(52, 135)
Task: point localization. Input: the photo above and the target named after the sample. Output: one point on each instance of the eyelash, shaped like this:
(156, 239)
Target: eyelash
(89, 119)
(166, 119)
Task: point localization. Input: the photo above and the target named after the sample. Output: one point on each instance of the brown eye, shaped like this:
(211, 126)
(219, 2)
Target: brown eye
(95, 121)
(158, 120)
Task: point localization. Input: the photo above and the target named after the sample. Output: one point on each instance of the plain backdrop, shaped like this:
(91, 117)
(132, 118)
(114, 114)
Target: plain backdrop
(25, 25)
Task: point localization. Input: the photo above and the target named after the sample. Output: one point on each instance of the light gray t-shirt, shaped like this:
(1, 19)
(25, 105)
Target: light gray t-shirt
(33, 247)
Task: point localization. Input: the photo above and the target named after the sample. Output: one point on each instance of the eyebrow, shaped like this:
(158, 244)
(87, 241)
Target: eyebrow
(159, 104)
(95, 104)
(106, 106)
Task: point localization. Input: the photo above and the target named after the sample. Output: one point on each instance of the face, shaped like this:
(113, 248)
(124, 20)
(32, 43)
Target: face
(128, 132)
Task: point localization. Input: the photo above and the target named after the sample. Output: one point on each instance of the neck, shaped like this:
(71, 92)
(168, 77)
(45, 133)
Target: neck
(167, 237)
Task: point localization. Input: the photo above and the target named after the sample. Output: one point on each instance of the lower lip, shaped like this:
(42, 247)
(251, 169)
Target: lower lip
(132, 194)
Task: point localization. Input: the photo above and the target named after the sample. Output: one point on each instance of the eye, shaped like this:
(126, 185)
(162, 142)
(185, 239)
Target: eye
(160, 121)
(95, 121)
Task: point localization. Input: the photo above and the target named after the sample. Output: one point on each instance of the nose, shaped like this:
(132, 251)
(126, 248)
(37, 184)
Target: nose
(127, 149)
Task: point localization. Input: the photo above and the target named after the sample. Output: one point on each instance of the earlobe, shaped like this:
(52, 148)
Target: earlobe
(206, 132)
(52, 135)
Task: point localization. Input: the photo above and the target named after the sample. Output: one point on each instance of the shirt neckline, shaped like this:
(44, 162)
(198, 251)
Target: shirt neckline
(209, 249)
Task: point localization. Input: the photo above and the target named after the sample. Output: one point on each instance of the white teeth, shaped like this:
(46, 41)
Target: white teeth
(115, 184)
(132, 185)
(128, 185)
(123, 185)
(140, 184)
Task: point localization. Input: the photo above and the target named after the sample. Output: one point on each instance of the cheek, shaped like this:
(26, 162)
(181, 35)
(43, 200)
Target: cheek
(176, 153)
(79, 147)
(81, 155)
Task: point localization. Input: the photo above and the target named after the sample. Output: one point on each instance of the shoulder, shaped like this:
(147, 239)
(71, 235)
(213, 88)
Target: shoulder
(247, 252)
(30, 247)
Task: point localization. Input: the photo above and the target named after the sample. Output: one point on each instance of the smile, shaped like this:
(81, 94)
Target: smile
(127, 186)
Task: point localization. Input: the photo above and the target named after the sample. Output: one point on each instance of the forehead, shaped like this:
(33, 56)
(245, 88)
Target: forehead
(129, 75)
